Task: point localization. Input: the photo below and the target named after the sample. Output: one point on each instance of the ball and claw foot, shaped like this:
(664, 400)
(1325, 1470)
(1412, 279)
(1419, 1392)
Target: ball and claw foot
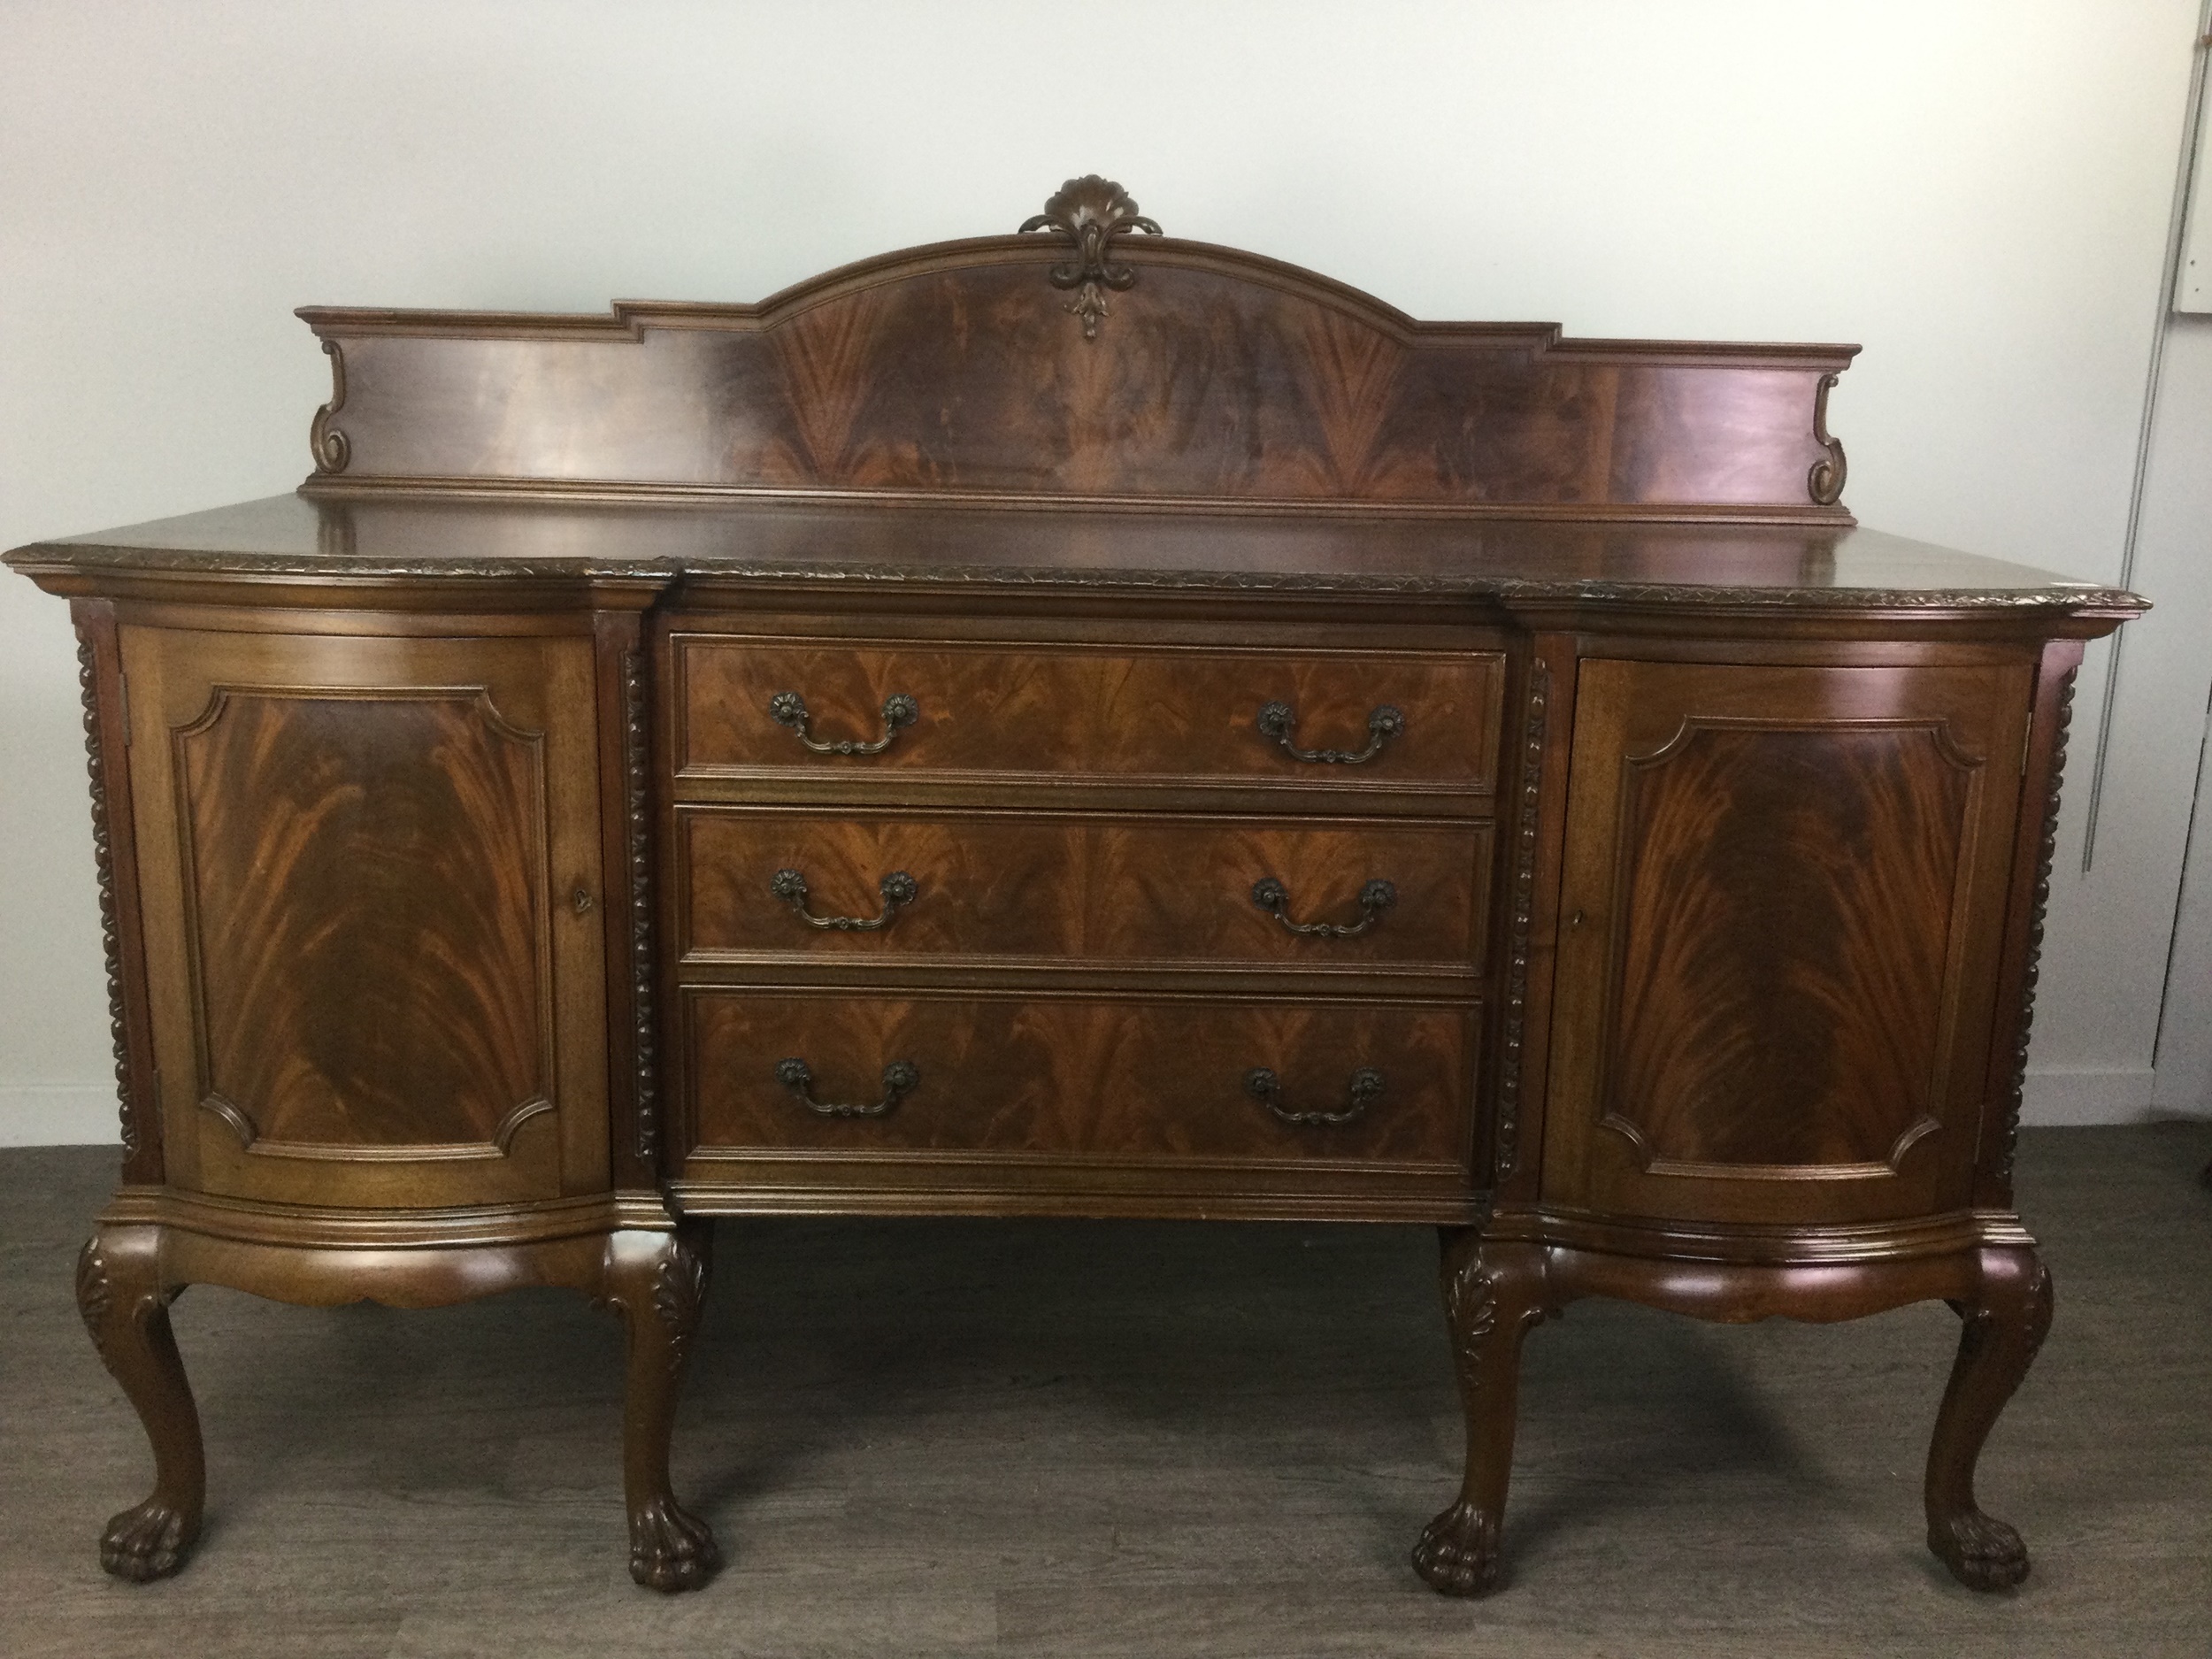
(671, 1550)
(1981, 1551)
(1458, 1552)
(149, 1542)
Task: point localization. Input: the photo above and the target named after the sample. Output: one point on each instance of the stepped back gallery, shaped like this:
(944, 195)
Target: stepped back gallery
(1071, 723)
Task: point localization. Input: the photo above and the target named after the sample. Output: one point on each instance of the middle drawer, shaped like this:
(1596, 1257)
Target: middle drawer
(1046, 888)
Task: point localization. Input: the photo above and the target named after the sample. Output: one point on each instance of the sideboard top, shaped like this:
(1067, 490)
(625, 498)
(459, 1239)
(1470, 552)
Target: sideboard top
(1084, 404)
(1084, 357)
(906, 548)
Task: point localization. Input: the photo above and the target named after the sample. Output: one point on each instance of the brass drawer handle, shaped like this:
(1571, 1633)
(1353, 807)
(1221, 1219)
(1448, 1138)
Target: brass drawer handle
(1376, 897)
(899, 1080)
(789, 708)
(897, 888)
(1279, 720)
(1265, 1087)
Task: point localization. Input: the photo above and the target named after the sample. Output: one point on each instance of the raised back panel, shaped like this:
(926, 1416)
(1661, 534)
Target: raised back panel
(967, 370)
(1788, 895)
(362, 878)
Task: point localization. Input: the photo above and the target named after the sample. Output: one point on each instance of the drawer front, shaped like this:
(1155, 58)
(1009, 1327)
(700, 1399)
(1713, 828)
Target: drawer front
(1095, 1077)
(1162, 715)
(1056, 888)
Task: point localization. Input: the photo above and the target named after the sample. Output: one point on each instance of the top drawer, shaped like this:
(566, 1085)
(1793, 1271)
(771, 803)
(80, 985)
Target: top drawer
(1187, 715)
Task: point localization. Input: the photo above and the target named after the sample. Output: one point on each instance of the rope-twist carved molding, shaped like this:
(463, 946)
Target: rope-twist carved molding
(635, 741)
(2046, 857)
(103, 861)
(1514, 1037)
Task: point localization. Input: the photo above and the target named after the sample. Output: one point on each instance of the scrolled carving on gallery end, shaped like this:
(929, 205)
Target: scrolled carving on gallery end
(1824, 482)
(2046, 855)
(103, 865)
(1091, 211)
(332, 448)
(1506, 1155)
(638, 833)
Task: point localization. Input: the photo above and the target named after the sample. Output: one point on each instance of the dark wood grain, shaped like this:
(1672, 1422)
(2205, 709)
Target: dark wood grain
(957, 369)
(366, 873)
(375, 922)
(1789, 895)
(1089, 1076)
(506, 556)
(1080, 582)
(1778, 935)
(1134, 715)
(1077, 890)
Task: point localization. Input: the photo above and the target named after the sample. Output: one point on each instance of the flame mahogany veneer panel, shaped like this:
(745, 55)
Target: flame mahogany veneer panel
(1124, 716)
(1097, 1077)
(1077, 890)
(1784, 899)
(373, 901)
(366, 882)
(1217, 376)
(1790, 896)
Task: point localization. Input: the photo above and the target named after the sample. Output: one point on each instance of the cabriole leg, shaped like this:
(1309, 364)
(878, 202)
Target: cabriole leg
(2003, 1326)
(1493, 1295)
(657, 1282)
(126, 1306)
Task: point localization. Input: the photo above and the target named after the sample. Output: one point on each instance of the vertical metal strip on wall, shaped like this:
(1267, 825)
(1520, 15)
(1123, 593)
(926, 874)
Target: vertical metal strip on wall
(2177, 228)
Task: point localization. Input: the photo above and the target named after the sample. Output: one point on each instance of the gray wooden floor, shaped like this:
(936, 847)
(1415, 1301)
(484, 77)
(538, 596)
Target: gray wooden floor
(1123, 1438)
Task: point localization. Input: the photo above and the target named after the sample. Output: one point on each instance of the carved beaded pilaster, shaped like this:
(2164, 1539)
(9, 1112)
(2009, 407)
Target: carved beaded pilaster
(103, 860)
(2046, 856)
(1525, 835)
(638, 833)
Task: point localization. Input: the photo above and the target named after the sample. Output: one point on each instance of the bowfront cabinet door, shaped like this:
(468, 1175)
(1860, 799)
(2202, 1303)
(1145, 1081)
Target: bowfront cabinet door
(1782, 901)
(371, 903)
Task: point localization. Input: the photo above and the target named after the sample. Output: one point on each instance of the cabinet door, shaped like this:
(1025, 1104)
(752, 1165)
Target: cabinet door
(1784, 898)
(371, 883)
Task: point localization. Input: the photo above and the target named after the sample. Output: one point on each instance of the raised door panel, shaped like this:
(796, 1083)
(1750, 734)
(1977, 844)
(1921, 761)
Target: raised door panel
(1783, 904)
(373, 909)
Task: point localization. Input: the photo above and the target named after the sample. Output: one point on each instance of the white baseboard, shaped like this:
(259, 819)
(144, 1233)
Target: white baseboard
(58, 1114)
(2119, 1095)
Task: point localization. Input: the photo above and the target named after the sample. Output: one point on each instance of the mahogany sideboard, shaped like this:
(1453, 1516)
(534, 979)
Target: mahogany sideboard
(1071, 722)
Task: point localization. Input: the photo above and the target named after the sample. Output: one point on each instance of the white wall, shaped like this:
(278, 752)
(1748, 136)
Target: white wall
(1976, 191)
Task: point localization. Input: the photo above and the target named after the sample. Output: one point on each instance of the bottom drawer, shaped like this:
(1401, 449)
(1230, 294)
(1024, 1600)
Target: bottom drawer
(1089, 1076)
